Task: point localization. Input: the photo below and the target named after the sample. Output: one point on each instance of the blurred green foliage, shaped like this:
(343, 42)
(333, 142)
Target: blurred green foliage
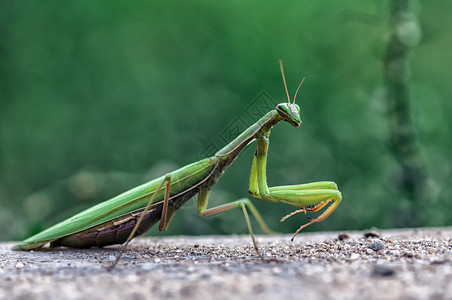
(97, 97)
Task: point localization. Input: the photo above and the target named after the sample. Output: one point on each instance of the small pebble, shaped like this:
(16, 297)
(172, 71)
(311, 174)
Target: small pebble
(19, 265)
(343, 236)
(111, 258)
(376, 245)
(370, 234)
(383, 270)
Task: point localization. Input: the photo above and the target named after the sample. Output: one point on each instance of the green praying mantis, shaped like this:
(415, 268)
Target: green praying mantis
(132, 213)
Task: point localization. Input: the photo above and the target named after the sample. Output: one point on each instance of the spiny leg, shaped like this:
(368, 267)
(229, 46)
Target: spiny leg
(243, 203)
(316, 194)
(316, 207)
(321, 185)
(166, 180)
(319, 198)
(313, 208)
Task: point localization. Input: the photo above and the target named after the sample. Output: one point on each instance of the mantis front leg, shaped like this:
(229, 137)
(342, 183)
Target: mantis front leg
(308, 197)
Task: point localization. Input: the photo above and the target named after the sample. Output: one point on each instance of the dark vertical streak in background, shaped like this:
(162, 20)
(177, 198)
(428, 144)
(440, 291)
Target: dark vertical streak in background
(404, 36)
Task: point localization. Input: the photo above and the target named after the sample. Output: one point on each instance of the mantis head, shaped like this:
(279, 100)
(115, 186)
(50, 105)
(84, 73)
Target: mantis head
(289, 111)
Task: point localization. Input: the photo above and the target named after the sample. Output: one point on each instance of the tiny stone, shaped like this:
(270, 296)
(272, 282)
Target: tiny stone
(448, 252)
(376, 245)
(19, 265)
(343, 236)
(383, 270)
(370, 251)
(432, 250)
(370, 234)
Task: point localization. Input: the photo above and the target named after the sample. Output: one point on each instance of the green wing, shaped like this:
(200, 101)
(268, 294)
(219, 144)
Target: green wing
(136, 198)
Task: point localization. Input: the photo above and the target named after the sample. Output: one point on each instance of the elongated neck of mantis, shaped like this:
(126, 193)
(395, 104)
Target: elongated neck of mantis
(249, 135)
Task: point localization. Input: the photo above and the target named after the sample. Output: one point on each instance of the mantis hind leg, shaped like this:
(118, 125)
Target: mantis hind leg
(167, 182)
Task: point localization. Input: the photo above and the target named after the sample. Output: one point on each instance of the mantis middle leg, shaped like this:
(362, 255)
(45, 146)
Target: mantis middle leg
(244, 204)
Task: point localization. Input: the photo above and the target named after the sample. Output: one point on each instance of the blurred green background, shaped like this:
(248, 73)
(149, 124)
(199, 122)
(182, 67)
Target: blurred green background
(98, 97)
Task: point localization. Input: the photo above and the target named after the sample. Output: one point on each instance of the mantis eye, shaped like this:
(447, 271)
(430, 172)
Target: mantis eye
(282, 109)
(288, 109)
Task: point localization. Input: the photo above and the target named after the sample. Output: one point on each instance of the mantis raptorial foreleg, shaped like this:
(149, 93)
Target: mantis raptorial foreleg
(310, 197)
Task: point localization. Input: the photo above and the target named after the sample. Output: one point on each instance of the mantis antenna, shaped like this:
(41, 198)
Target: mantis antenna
(298, 89)
(284, 79)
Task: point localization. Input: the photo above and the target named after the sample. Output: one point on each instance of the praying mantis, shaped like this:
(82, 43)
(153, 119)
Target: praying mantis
(132, 213)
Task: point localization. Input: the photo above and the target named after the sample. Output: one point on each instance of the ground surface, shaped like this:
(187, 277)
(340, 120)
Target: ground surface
(393, 264)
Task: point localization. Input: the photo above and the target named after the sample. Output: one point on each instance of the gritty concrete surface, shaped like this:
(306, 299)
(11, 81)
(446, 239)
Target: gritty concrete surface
(389, 264)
